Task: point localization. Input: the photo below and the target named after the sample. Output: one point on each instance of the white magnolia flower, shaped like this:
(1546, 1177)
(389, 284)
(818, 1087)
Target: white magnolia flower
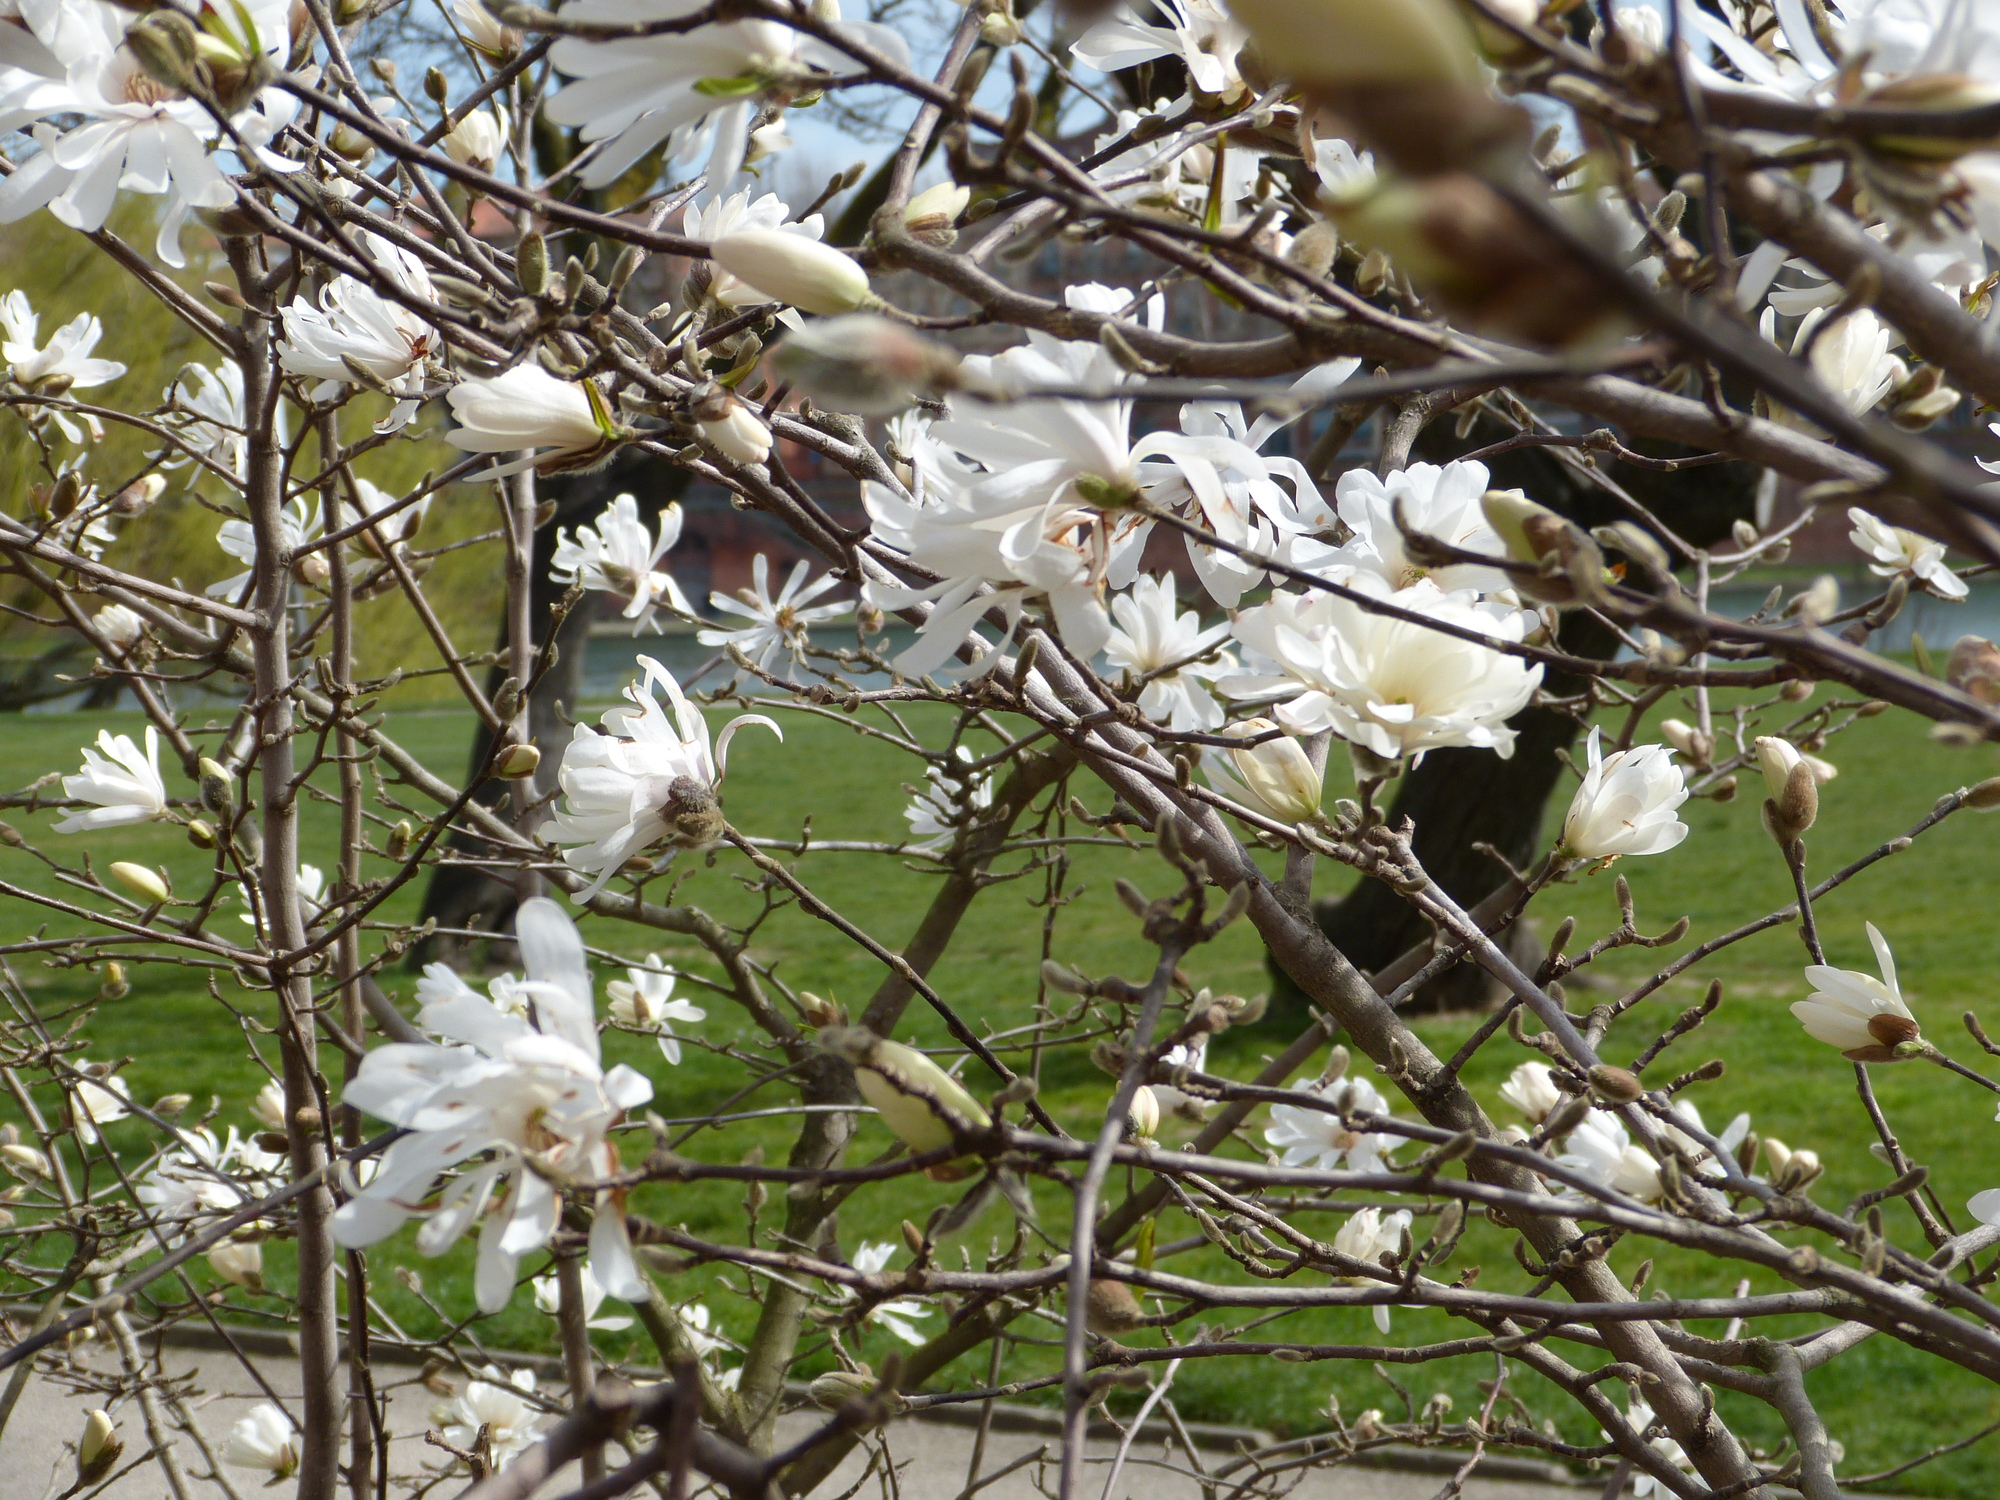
(66, 363)
(508, 1086)
(1638, 1418)
(642, 781)
(1531, 1089)
(548, 1298)
(1173, 174)
(120, 627)
(695, 1323)
(1863, 1016)
(210, 417)
(498, 1404)
(619, 557)
(193, 1181)
(725, 216)
(394, 528)
(636, 92)
(484, 30)
(894, 1316)
(478, 139)
(1892, 550)
(124, 784)
(643, 1001)
(1733, 1135)
(299, 522)
(935, 816)
(1278, 778)
(1439, 502)
(739, 434)
(1153, 640)
(354, 325)
(1851, 358)
(96, 1102)
(264, 1439)
(268, 1108)
(1601, 1150)
(783, 621)
(1315, 1138)
(1343, 172)
(1393, 686)
(240, 1263)
(527, 407)
(1625, 804)
(1201, 34)
(310, 886)
(1368, 1236)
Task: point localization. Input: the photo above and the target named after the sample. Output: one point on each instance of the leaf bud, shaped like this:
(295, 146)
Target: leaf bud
(144, 883)
(11, 836)
(913, 1237)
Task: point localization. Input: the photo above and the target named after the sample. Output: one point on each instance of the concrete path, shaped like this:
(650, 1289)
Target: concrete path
(214, 1390)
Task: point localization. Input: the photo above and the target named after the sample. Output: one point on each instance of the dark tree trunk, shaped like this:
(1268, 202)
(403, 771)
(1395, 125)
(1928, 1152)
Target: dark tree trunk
(459, 897)
(1459, 798)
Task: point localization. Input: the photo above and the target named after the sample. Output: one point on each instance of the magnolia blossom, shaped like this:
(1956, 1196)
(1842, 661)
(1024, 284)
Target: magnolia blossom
(124, 784)
(739, 434)
(66, 363)
(1390, 685)
(198, 1178)
(636, 92)
(1600, 1149)
(509, 1086)
(211, 420)
(643, 1001)
(1625, 804)
(1367, 1236)
(1863, 1016)
(96, 1102)
(894, 1316)
(1531, 1088)
(528, 408)
(264, 1439)
(240, 1263)
(1638, 1418)
(1201, 34)
(484, 30)
(478, 139)
(1438, 502)
(783, 621)
(1892, 550)
(393, 527)
(935, 816)
(120, 627)
(1322, 1140)
(643, 781)
(356, 329)
(1278, 777)
(497, 1404)
(299, 522)
(1776, 757)
(620, 557)
(1155, 642)
(1851, 358)
(724, 216)
(548, 1299)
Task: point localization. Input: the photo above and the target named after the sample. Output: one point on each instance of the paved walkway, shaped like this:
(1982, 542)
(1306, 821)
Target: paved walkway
(932, 1455)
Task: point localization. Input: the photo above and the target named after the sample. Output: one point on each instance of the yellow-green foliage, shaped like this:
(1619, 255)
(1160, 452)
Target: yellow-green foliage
(63, 274)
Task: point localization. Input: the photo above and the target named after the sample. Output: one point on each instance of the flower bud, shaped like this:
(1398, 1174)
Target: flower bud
(738, 435)
(1791, 1170)
(863, 364)
(531, 264)
(917, 1100)
(400, 837)
(1688, 740)
(172, 1104)
(1743, 534)
(98, 1449)
(1278, 772)
(218, 787)
(115, 985)
(811, 276)
(1330, 43)
(1000, 29)
(142, 882)
(137, 497)
(931, 214)
(200, 833)
(478, 139)
(1571, 567)
(1615, 1085)
(518, 762)
(836, 1388)
(1820, 600)
(817, 1011)
(24, 1160)
(1145, 1114)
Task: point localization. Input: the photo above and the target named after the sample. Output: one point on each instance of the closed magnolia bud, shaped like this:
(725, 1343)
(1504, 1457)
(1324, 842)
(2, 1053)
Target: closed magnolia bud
(141, 881)
(1743, 534)
(98, 1449)
(240, 1263)
(1688, 740)
(1798, 690)
(738, 435)
(1985, 796)
(115, 985)
(1278, 772)
(818, 1011)
(1111, 1308)
(809, 275)
(172, 1104)
(1820, 601)
(1615, 1085)
(200, 833)
(864, 364)
(931, 214)
(1329, 43)
(400, 838)
(24, 1160)
(435, 87)
(913, 1237)
(137, 497)
(531, 264)
(312, 570)
(518, 762)
(1798, 808)
(836, 1388)
(218, 787)
(887, 1071)
(1145, 1114)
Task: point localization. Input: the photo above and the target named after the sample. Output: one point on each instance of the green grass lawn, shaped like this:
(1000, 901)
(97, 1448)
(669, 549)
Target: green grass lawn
(179, 1039)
